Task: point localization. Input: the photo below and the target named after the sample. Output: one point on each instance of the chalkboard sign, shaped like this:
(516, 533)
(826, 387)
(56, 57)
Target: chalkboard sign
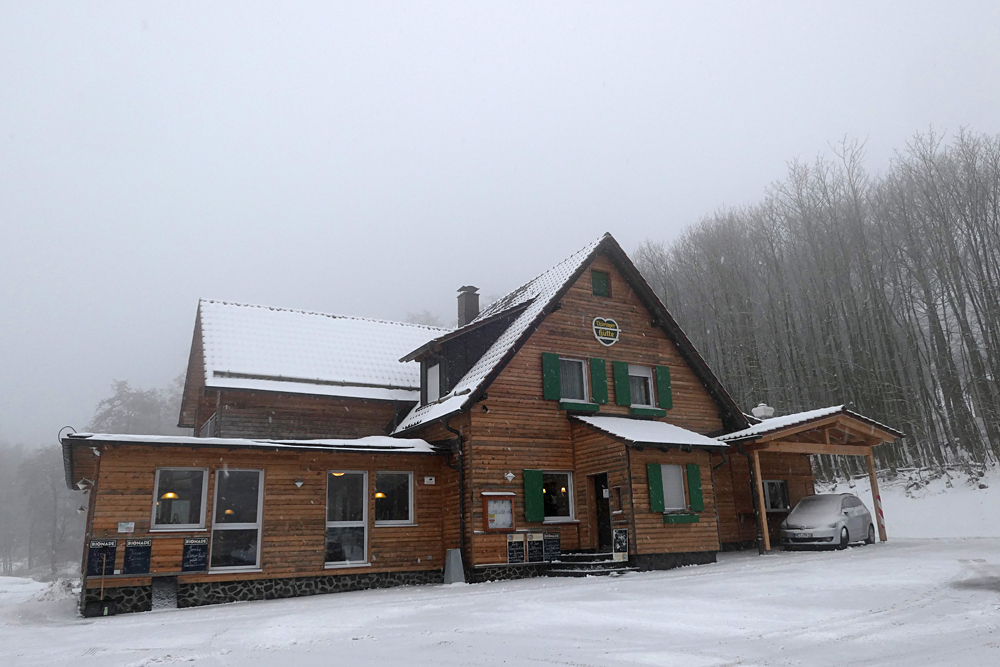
(195, 557)
(515, 548)
(137, 554)
(536, 547)
(552, 548)
(620, 544)
(101, 557)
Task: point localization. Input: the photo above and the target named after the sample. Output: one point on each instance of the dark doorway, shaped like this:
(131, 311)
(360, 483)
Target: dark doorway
(602, 496)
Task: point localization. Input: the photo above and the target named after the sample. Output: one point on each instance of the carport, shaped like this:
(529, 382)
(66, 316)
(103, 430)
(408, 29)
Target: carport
(834, 430)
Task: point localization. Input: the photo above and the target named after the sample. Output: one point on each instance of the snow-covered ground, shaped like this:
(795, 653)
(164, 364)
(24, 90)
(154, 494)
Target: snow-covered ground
(944, 507)
(907, 602)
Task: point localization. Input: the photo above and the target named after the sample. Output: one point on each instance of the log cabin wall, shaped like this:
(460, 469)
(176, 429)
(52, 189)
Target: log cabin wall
(734, 492)
(249, 414)
(294, 519)
(514, 428)
(653, 536)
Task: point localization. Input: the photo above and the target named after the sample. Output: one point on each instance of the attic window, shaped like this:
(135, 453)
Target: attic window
(433, 383)
(601, 283)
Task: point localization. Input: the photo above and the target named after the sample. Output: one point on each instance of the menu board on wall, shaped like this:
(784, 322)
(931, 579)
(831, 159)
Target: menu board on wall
(101, 557)
(515, 548)
(536, 547)
(499, 512)
(137, 556)
(553, 546)
(195, 558)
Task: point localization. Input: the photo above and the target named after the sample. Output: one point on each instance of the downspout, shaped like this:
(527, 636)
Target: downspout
(753, 495)
(446, 422)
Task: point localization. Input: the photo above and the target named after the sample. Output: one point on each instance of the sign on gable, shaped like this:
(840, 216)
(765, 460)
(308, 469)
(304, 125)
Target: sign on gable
(606, 330)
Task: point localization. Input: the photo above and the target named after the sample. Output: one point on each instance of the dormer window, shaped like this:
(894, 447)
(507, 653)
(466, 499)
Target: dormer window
(433, 382)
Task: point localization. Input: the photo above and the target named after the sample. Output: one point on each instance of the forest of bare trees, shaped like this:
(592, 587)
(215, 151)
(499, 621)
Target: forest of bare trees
(881, 292)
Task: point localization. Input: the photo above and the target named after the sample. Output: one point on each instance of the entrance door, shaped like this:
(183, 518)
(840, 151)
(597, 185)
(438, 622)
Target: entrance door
(602, 498)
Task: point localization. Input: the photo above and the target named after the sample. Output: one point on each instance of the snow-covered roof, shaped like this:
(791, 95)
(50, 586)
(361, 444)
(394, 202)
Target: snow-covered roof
(538, 294)
(275, 349)
(646, 432)
(379, 443)
(778, 423)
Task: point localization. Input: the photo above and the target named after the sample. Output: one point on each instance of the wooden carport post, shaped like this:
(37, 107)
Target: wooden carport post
(761, 508)
(876, 497)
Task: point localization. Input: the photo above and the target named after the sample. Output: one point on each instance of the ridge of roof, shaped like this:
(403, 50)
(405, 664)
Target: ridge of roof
(316, 312)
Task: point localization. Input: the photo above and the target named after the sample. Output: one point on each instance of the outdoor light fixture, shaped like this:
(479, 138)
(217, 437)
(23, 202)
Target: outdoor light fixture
(562, 490)
(169, 495)
(299, 482)
(380, 495)
(509, 477)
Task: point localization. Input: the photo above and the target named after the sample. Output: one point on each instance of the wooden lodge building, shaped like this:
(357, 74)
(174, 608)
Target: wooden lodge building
(568, 428)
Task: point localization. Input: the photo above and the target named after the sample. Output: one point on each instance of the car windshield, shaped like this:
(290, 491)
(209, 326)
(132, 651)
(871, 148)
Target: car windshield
(816, 507)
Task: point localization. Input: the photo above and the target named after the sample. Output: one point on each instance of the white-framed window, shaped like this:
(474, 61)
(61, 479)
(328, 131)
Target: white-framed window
(239, 500)
(557, 496)
(573, 380)
(179, 499)
(346, 518)
(433, 382)
(673, 488)
(393, 498)
(640, 380)
(776, 495)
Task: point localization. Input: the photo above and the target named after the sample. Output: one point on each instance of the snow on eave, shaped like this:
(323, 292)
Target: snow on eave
(774, 424)
(649, 432)
(372, 443)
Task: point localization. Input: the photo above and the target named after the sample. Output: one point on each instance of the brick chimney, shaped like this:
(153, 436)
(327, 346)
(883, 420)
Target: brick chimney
(468, 304)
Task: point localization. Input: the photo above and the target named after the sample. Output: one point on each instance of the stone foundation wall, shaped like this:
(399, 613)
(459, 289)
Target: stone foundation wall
(476, 575)
(647, 562)
(216, 592)
(127, 598)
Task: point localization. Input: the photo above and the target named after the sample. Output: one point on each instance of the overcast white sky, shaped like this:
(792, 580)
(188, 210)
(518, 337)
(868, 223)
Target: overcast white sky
(370, 158)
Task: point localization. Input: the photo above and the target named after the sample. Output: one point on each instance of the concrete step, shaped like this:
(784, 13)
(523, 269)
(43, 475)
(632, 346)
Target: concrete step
(581, 557)
(601, 572)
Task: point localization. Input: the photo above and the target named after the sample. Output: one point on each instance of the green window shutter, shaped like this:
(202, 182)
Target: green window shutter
(694, 488)
(654, 477)
(664, 396)
(601, 282)
(623, 392)
(534, 503)
(599, 380)
(550, 377)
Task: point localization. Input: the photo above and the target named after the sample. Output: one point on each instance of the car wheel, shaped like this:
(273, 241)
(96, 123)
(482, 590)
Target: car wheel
(871, 535)
(844, 538)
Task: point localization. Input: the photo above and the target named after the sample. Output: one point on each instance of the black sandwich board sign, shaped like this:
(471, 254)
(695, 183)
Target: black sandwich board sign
(536, 548)
(137, 556)
(101, 557)
(195, 558)
(515, 548)
(553, 548)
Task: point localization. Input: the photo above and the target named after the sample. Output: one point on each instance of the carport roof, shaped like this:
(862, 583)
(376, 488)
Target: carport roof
(646, 432)
(775, 424)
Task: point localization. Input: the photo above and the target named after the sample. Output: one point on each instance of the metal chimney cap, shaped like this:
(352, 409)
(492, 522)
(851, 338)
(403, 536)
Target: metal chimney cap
(468, 288)
(763, 411)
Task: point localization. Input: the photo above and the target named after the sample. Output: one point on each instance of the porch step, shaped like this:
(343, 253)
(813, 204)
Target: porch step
(591, 572)
(588, 565)
(582, 557)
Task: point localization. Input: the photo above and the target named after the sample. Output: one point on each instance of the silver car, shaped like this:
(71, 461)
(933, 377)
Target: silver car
(827, 520)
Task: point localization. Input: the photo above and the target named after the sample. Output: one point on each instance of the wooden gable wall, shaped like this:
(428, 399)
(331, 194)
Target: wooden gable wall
(514, 428)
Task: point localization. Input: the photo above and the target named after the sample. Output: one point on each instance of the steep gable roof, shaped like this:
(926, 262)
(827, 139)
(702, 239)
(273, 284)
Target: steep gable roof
(294, 351)
(537, 298)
